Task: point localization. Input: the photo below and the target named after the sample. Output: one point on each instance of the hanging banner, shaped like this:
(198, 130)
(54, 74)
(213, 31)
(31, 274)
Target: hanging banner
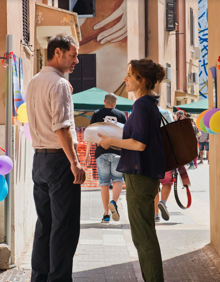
(21, 78)
(214, 81)
(17, 97)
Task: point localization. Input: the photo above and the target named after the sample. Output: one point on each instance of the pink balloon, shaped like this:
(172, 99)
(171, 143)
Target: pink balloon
(208, 115)
(27, 133)
(6, 165)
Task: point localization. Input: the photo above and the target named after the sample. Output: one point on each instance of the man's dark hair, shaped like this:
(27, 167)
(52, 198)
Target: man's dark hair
(61, 41)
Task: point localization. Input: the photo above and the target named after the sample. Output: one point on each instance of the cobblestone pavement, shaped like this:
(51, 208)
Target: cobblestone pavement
(106, 253)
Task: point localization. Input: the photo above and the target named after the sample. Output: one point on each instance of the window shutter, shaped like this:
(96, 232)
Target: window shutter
(191, 27)
(84, 75)
(75, 78)
(170, 15)
(88, 71)
(25, 21)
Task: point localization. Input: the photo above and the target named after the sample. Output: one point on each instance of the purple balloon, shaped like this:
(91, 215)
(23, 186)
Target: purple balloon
(207, 116)
(6, 165)
(27, 133)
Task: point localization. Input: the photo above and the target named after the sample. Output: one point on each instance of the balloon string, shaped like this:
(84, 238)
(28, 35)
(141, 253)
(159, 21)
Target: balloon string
(9, 56)
(2, 149)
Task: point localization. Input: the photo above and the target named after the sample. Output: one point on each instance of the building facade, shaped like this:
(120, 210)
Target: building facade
(30, 23)
(165, 31)
(214, 157)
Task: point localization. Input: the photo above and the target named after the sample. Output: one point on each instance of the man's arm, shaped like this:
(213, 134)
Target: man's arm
(88, 157)
(66, 141)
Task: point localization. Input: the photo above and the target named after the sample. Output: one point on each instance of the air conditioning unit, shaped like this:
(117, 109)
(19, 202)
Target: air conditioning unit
(193, 78)
(168, 76)
(197, 53)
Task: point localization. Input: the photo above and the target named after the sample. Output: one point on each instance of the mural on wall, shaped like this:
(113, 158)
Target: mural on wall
(106, 36)
(203, 44)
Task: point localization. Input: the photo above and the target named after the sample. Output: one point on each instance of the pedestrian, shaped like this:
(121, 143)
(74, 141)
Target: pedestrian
(203, 143)
(57, 174)
(142, 162)
(107, 160)
(180, 115)
(166, 183)
(193, 163)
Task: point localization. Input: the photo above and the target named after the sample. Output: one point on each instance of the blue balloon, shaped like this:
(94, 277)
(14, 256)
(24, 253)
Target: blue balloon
(210, 131)
(3, 188)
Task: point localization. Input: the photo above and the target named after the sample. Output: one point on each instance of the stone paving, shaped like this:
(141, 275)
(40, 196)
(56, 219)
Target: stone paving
(106, 253)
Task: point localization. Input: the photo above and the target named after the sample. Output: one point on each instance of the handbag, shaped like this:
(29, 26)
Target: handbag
(179, 142)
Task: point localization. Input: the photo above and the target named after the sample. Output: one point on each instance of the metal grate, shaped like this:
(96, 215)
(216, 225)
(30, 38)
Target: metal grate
(25, 21)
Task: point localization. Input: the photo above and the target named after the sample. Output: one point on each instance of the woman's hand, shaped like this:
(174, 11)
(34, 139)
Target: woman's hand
(105, 142)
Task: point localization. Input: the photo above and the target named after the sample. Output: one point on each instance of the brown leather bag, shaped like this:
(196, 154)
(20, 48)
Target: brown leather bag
(179, 141)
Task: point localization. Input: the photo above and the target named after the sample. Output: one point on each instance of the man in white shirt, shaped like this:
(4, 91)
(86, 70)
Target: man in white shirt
(57, 174)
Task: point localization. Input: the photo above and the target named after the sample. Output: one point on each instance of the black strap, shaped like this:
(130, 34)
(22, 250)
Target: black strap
(163, 119)
(168, 137)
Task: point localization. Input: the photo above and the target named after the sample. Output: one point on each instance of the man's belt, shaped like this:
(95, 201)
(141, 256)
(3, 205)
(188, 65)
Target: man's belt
(49, 151)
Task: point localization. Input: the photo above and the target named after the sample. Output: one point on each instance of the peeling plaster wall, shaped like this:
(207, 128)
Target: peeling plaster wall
(23, 210)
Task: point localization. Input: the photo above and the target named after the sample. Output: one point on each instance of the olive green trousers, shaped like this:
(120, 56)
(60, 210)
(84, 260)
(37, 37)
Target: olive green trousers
(140, 194)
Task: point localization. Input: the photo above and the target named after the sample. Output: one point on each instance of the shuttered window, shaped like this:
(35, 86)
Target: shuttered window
(25, 21)
(170, 15)
(191, 27)
(84, 75)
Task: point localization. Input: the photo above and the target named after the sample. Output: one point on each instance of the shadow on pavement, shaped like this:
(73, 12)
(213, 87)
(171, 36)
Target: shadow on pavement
(194, 266)
(104, 226)
(115, 273)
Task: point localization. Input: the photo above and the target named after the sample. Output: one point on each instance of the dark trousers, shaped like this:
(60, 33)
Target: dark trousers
(140, 195)
(57, 202)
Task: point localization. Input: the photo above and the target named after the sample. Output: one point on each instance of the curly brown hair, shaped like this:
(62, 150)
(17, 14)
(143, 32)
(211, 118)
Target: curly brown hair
(147, 69)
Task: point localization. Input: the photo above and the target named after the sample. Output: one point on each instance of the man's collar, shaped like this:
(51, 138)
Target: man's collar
(52, 69)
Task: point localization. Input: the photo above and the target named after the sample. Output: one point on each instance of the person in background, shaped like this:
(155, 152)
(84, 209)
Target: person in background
(166, 183)
(180, 115)
(203, 143)
(142, 163)
(57, 173)
(193, 164)
(107, 160)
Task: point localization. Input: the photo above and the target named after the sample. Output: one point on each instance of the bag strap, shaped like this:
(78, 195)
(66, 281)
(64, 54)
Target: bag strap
(163, 119)
(189, 198)
(168, 137)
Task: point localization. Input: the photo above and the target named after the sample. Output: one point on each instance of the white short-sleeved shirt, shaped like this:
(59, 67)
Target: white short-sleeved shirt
(49, 108)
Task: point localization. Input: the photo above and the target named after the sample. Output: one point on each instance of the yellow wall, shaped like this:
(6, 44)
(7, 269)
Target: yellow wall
(214, 167)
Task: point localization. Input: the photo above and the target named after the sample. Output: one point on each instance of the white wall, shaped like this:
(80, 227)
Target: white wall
(23, 208)
(2, 145)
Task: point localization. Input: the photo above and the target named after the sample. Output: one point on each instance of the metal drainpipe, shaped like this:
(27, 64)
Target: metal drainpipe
(8, 137)
(146, 28)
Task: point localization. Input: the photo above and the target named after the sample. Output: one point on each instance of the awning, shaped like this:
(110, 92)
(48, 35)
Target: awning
(51, 21)
(193, 108)
(93, 99)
